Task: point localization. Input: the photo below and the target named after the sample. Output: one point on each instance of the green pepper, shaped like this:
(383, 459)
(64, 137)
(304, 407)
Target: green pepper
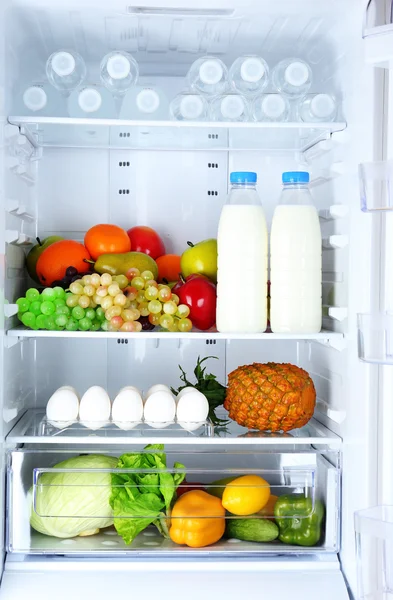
(298, 520)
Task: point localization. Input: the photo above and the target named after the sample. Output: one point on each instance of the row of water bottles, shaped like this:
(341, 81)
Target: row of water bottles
(213, 92)
(239, 93)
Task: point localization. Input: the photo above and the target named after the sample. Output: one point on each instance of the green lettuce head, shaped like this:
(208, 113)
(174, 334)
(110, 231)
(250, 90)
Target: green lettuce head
(69, 504)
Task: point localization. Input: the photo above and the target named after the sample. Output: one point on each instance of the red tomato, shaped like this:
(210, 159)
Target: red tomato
(146, 240)
(189, 487)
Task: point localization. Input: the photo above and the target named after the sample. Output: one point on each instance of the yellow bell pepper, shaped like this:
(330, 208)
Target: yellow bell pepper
(197, 520)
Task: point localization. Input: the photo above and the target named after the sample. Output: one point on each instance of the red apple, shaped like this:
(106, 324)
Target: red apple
(145, 239)
(200, 295)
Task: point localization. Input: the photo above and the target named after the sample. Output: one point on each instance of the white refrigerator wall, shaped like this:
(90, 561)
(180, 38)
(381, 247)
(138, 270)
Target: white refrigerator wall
(67, 190)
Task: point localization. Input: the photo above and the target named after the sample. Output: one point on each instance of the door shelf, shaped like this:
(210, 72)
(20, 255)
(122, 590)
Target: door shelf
(379, 46)
(172, 135)
(376, 186)
(375, 338)
(33, 428)
(324, 336)
(374, 552)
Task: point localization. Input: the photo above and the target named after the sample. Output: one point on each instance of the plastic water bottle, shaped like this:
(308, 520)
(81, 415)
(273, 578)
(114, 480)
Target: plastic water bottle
(119, 71)
(145, 103)
(271, 108)
(38, 99)
(292, 77)
(295, 260)
(189, 107)
(94, 102)
(242, 243)
(249, 75)
(208, 75)
(317, 108)
(229, 107)
(65, 70)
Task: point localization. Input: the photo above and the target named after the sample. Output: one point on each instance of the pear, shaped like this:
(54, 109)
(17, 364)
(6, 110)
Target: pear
(200, 259)
(119, 264)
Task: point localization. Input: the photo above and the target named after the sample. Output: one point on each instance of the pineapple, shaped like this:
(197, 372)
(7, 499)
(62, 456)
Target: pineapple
(270, 397)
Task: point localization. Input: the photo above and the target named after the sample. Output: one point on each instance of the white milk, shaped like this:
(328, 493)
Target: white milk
(296, 264)
(242, 253)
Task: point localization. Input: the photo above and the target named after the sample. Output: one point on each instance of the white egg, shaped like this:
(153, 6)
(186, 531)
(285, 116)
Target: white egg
(63, 407)
(69, 387)
(159, 409)
(185, 391)
(94, 408)
(159, 387)
(131, 387)
(192, 410)
(127, 408)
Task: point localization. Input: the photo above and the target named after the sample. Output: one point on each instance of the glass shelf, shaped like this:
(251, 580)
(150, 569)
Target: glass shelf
(23, 332)
(374, 552)
(170, 135)
(33, 428)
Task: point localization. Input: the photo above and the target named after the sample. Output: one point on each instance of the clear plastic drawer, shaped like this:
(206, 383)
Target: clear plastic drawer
(71, 512)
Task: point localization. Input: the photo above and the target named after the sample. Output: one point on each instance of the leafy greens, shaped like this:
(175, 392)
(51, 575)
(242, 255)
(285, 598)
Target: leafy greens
(144, 496)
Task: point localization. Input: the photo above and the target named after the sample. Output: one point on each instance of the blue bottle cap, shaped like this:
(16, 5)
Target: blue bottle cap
(243, 177)
(295, 177)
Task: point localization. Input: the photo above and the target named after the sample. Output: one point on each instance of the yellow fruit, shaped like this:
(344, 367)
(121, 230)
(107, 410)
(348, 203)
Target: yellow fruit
(246, 495)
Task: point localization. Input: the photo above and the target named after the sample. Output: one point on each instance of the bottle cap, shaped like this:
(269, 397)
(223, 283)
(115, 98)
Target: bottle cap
(297, 73)
(211, 71)
(191, 106)
(232, 106)
(89, 100)
(118, 66)
(273, 106)
(243, 177)
(35, 98)
(323, 106)
(63, 63)
(148, 101)
(295, 177)
(252, 70)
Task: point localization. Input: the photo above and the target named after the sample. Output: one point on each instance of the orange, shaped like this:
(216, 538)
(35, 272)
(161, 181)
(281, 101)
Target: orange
(168, 267)
(55, 259)
(107, 239)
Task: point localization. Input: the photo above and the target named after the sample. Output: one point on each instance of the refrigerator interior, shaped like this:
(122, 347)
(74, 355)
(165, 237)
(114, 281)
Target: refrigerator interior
(63, 177)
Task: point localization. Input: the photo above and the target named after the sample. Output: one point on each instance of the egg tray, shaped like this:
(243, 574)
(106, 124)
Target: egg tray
(54, 428)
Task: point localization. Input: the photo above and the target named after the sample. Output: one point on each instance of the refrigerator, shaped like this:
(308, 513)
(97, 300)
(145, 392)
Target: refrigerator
(61, 175)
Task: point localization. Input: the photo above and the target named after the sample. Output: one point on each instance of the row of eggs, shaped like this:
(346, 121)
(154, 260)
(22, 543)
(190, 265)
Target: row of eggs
(159, 408)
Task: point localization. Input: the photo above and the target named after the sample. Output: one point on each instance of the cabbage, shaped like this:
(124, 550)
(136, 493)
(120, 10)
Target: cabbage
(70, 504)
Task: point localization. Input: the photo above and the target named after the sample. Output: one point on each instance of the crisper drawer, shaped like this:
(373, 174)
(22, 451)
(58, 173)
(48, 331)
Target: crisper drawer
(86, 510)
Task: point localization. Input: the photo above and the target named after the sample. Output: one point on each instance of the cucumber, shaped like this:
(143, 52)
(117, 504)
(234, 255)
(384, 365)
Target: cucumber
(252, 530)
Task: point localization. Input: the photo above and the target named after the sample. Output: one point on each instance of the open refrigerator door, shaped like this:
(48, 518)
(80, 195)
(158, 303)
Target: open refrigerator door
(373, 524)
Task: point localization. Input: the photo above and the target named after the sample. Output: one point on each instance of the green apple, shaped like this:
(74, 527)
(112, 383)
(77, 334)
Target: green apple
(35, 253)
(200, 259)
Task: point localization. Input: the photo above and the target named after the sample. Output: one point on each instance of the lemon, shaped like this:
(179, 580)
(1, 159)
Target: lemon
(246, 495)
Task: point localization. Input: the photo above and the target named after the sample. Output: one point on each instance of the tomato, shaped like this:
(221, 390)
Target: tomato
(189, 487)
(146, 240)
